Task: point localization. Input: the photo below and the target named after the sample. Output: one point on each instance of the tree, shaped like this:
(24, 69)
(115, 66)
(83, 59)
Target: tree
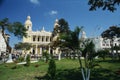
(64, 26)
(110, 33)
(23, 46)
(89, 55)
(109, 5)
(103, 53)
(16, 28)
(61, 27)
(72, 42)
(113, 31)
(117, 48)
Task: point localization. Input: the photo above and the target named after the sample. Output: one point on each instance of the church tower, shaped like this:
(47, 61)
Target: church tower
(83, 35)
(56, 24)
(56, 30)
(28, 23)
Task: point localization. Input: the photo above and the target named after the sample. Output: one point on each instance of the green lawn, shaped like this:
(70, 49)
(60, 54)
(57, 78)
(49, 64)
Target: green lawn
(66, 70)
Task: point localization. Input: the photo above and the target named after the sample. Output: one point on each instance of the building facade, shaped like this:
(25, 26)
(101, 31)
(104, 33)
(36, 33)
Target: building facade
(101, 43)
(39, 40)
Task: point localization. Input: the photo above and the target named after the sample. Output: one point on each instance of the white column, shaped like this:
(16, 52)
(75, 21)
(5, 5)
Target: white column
(40, 50)
(59, 54)
(40, 38)
(49, 49)
(32, 50)
(31, 38)
(44, 38)
(36, 39)
(0, 52)
(49, 39)
(36, 51)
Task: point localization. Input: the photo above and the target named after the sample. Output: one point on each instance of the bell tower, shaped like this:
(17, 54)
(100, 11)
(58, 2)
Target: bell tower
(28, 23)
(83, 36)
(56, 24)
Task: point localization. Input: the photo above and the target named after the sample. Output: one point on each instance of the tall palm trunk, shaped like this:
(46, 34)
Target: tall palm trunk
(85, 71)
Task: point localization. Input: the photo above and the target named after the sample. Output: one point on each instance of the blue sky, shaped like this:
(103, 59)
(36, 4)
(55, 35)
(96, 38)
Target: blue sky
(44, 13)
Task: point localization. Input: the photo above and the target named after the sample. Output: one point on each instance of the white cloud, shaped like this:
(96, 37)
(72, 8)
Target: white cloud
(53, 12)
(35, 1)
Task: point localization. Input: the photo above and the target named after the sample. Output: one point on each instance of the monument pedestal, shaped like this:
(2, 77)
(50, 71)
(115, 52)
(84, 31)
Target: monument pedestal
(10, 59)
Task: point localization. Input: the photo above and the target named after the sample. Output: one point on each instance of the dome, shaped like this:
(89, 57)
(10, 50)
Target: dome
(56, 20)
(28, 17)
(28, 21)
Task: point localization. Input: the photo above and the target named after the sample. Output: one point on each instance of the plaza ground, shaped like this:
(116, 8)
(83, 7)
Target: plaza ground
(67, 69)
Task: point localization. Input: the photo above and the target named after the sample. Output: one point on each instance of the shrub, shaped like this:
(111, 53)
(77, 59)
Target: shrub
(28, 60)
(52, 70)
(20, 59)
(14, 67)
(103, 53)
(46, 55)
(36, 65)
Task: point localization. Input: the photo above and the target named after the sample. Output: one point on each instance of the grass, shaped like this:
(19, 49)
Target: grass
(66, 70)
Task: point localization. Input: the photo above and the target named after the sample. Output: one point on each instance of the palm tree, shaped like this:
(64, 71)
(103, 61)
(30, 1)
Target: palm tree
(89, 55)
(72, 42)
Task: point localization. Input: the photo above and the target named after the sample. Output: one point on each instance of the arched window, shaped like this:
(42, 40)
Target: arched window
(33, 38)
(27, 27)
(46, 39)
(38, 38)
(42, 38)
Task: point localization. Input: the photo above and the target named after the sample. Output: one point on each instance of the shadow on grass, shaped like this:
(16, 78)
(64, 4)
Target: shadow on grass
(109, 61)
(104, 74)
(75, 74)
(67, 74)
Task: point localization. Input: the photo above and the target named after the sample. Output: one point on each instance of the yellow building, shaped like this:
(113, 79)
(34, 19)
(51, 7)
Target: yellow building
(39, 39)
